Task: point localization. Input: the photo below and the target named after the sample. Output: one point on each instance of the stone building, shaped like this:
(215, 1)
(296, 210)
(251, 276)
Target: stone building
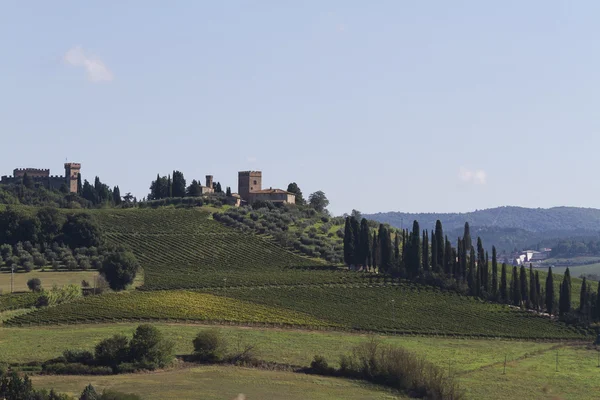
(210, 187)
(250, 189)
(43, 177)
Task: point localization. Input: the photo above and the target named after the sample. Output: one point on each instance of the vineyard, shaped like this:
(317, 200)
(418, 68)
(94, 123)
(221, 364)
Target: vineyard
(184, 249)
(164, 305)
(17, 300)
(402, 309)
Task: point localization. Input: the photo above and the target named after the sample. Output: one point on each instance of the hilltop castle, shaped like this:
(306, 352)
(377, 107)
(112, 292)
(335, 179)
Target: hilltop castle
(43, 177)
(250, 189)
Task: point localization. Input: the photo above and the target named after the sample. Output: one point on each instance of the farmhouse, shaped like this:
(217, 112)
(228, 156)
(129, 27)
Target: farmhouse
(250, 189)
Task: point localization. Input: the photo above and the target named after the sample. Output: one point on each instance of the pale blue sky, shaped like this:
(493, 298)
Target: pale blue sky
(386, 105)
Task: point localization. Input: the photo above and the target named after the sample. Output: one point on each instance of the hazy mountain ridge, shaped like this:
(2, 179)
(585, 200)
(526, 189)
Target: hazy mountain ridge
(506, 227)
(528, 219)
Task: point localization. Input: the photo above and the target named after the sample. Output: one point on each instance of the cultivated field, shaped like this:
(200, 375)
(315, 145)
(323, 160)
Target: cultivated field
(48, 278)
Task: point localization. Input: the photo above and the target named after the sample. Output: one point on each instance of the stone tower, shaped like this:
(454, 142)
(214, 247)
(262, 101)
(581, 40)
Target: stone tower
(72, 170)
(209, 181)
(248, 182)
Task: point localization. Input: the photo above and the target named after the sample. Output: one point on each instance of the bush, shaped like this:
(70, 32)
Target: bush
(78, 356)
(75, 369)
(400, 369)
(112, 351)
(319, 366)
(58, 295)
(210, 346)
(34, 284)
(148, 346)
(119, 268)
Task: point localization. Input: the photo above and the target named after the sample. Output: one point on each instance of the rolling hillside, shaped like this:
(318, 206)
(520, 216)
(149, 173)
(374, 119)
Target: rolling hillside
(239, 277)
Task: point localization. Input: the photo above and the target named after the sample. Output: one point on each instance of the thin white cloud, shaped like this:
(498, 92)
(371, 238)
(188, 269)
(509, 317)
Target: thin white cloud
(475, 177)
(96, 70)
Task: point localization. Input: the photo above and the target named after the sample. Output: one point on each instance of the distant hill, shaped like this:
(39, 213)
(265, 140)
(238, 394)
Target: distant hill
(506, 227)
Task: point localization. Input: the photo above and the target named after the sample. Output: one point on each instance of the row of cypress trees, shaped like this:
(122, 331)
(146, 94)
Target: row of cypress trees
(429, 256)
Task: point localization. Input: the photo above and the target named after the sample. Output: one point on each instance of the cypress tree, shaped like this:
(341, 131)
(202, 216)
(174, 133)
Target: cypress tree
(79, 185)
(564, 302)
(349, 249)
(486, 273)
(503, 284)
(494, 272)
(435, 266)
(414, 262)
(355, 225)
(516, 288)
(364, 243)
(481, 265)
(375, 251)
(425, 248)
(524, 288)
(116, 195)
(449, 258)
(550, 292)
(582, 295)
(471, 280)
(462, 259)
(532, 289)
(440, 245)
(468, 243)
(169, 187)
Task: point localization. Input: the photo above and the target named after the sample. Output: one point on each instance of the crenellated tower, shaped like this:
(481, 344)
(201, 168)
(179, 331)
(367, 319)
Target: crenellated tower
(72, 171)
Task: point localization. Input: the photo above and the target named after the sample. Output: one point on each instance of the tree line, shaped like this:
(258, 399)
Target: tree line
(428, 257)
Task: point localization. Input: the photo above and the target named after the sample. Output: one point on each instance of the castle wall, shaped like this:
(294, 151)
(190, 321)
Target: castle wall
(31, 172)
(273, 197)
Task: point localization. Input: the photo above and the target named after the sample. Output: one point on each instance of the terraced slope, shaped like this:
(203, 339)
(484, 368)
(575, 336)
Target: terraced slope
(184, 249)
(404, 308)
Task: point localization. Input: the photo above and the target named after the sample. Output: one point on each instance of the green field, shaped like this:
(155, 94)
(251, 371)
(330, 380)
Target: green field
(218, 383)
(530, 372)
(578, 270)
(48, 278)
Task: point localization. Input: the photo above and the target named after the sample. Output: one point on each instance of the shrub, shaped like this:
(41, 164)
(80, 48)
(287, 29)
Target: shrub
(112, 351)
(58, 295)
(34, 284)
(149, 346)
(75, 369)
(78, 356)
(119, 268)
(210, 346)
(28, 266)
(319, 366)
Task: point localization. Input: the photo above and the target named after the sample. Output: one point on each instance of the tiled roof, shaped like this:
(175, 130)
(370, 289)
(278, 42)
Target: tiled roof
(271, 191)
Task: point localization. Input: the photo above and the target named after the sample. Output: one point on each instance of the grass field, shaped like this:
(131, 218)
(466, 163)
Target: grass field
(223, 383)
(296, 347)
(578, 270)
(48, 279)
(478, 363)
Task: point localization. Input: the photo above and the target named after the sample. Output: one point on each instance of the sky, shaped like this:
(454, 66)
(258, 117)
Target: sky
(422, 106)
